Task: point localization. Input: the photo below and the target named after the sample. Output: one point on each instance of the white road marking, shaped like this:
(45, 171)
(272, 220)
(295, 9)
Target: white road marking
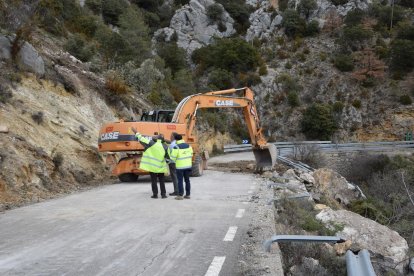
(250, 192)
(230, 234)
(240, 213)
(215, 266)
(245, 202)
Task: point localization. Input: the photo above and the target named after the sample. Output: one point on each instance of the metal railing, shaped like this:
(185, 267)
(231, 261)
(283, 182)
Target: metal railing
(290, 148)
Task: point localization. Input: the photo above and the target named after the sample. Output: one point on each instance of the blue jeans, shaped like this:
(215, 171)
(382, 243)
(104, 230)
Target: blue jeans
(186, 175)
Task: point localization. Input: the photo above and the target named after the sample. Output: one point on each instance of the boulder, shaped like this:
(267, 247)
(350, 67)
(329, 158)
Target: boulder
(387, 247)
(332, 185)
(4, 129)
(29, 59)
(194, 28)
(290, 174)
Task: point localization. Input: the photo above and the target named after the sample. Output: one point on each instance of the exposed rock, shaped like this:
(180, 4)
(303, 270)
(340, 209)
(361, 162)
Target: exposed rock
(29, 59)
(4, 129)
(387, 247)
(351, 118)
(193, 27)
(5, 48)
(334, 186)
(262, 24)
(267, 174)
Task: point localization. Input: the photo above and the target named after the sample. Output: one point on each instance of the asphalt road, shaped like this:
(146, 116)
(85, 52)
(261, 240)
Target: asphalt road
(119, 230)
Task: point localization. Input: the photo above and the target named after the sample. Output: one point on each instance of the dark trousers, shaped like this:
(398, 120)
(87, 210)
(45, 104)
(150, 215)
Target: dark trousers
(154, 187)
(173, 174)
(184, 174)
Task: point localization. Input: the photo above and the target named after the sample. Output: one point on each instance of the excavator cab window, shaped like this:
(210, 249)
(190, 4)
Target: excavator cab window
(162, 116)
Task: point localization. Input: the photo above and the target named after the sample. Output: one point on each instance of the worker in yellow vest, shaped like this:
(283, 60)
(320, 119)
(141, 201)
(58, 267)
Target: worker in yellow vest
(153, 161)
(182, 155)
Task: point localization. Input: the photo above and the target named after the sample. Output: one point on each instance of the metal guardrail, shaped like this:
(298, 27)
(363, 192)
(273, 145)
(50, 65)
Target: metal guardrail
(300, 238)
(360, 264)
(356, 265)
(285, 148)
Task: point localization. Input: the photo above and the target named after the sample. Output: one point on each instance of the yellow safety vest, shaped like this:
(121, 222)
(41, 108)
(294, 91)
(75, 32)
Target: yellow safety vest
(153, 159)
(182, 155)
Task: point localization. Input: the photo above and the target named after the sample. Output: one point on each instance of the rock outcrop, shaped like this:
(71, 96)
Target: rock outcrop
(387, 247)
(262, 24)
(27, 58)
(194, 29)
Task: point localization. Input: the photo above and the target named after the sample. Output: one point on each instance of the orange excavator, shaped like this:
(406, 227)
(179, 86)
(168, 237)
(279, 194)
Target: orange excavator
(118, 137)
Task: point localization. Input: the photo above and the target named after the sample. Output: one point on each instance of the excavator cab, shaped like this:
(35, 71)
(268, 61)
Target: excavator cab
(161, 116)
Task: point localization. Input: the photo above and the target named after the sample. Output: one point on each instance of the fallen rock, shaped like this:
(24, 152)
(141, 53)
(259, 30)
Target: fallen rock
(267, 174)
(332, 185)
(290, 174)
(320, 207)
(307, 178)
(387, 247)
(309, 266)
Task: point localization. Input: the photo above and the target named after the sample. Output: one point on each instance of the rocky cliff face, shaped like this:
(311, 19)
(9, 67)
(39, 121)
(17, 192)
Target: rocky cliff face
(194, 28)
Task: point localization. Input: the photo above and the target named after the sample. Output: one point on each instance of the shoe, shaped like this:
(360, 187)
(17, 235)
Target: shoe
(154, 196)
(179, 197)
(187, 197)
(174, 194)
(163, 196)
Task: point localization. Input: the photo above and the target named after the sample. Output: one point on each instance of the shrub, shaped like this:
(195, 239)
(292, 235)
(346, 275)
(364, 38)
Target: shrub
(357, 104)
(312, 28)
(80, 48)
(232, 54)
(135, 34)
(215, 12)
(402, 52)
(354, 17)
(344, 63)
(249, 79)
(355, 36)
(384, 13)
(306, 7)
(318, 122)
(293, 99)
(112, 9)
(240, 12)
(182, 84)
(294, 25)
(288, 65)
(94, 5)
(49, 15)
(38, 117)
(58, 160)
(116, 84)
(5, 93)
(173, 56)
(405, 31)
(405, 100)
(338, 107)
(263, 70)
(220, 79)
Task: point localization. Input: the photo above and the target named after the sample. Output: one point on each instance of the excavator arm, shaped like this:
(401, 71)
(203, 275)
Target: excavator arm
(186, 113)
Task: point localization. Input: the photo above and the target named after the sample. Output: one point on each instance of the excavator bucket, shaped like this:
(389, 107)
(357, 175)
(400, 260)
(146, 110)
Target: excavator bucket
(266, 157)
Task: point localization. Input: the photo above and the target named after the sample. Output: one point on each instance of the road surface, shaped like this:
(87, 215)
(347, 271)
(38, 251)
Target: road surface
(119, 230)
